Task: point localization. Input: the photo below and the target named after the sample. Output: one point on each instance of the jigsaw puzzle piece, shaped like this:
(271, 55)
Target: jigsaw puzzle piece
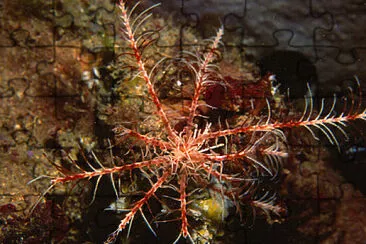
(201, 19)
(347, 63)
(84, 24)
(22, 66)
(338, 7)
(208, 16)
(263, 19)
(28, 42)
(85, 40)
(342, 47)
(27, 24)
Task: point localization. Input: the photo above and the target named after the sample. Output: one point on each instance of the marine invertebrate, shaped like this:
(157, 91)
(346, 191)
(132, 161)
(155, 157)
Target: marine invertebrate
(228, 160)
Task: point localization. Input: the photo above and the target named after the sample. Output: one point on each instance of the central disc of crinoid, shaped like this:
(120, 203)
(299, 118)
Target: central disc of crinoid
(180, 151)
(183, 149)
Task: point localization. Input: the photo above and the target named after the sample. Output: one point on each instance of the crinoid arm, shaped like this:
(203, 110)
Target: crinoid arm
(138, 207)
(325, 122)
(130, 31)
